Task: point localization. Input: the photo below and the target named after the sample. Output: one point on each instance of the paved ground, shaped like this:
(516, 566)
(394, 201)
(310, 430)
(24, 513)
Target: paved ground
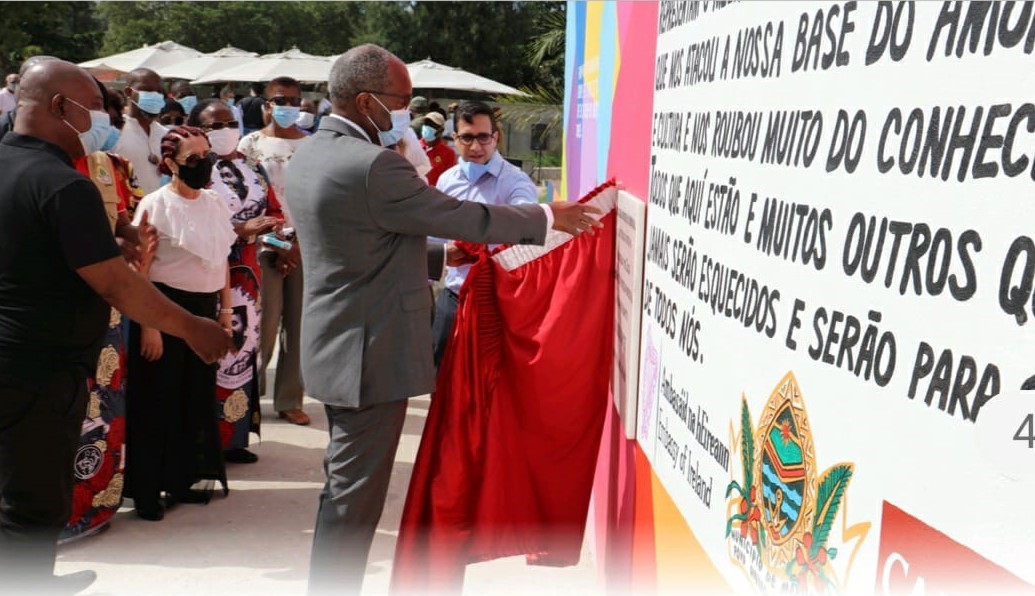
(256, 541)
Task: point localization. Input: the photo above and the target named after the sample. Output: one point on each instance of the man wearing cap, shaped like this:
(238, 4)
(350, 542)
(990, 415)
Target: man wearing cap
(439, 154)
(418, 108)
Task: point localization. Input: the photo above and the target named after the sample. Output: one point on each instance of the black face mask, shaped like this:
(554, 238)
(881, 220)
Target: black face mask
(197, 175)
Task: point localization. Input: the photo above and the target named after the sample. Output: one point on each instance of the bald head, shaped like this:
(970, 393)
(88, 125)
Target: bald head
(54, 103)
(144, 79)
(30, 62)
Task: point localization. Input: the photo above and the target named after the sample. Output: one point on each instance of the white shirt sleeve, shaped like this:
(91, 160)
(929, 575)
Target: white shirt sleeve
(549, 216)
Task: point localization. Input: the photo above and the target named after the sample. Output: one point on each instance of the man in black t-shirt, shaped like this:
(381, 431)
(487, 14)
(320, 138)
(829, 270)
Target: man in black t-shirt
(251, 110)
(59, 264)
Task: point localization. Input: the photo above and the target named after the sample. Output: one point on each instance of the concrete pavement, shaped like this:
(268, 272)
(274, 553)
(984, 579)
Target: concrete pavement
(256, 541)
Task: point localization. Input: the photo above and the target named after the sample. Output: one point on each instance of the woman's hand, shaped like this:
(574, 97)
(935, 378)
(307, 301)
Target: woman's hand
(258, 225)
(150, 343)
(226, 321)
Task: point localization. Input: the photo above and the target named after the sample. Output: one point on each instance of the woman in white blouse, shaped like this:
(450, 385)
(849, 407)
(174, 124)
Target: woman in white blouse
(172, 437)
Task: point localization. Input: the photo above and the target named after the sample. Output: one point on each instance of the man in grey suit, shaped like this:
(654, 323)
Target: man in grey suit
(363, 217)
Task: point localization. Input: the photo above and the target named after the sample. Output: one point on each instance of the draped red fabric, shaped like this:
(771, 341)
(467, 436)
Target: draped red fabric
(506, 462)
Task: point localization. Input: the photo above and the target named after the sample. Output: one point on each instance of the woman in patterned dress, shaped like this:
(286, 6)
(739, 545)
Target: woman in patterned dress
(255, 210)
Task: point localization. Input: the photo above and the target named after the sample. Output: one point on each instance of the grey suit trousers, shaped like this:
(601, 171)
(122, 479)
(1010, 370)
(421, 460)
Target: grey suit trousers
(281, 314)
(358, 466)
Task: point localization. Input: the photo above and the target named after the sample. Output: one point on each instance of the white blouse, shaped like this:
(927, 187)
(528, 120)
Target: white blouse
(194, 239)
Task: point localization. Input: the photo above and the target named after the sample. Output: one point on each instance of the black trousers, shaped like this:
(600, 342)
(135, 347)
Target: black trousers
(442, 327)
(172, 437)
(40, 424)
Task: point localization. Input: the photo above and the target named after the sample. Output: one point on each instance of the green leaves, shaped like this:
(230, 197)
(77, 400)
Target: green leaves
(747, 445)
(828, 500)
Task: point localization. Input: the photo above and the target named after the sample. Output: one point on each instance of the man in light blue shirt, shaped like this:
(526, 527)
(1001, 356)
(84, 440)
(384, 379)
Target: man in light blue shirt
(483, 176)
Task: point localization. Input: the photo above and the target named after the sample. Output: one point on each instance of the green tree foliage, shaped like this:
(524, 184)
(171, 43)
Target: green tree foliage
(488, 38)
(69, 30)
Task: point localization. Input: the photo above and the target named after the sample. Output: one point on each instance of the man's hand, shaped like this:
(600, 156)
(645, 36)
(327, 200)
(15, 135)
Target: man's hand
(456, 257)
(209, 340)
(575, 218)
(258, 225)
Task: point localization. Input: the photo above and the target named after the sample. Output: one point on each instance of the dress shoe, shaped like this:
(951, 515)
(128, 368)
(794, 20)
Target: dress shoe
(296, 416)
(196, 497)
(240, 456)
(150, 512)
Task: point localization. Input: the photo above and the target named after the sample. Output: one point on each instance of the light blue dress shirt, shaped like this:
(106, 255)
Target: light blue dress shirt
(502, 184)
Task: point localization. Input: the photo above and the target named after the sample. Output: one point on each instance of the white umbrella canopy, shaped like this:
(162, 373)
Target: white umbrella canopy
(154, 57)
(194, 68)
(426, 74)
(293, 63)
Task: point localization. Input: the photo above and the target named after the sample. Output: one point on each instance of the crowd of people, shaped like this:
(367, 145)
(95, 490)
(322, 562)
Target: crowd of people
(217, 229)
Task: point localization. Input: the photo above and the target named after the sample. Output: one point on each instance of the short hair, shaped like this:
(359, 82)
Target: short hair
(171, 144)
(178, 85)
(284, 83)
(469, 109)
(138, 75)
(363, 68)
(171, 105)
(194, 119)
(258, 88)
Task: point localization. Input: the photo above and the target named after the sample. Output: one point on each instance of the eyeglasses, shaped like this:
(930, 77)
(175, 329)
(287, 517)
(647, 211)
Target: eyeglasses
(466, 139)
(173, 120)
(220, 125)
(194, 159)
(406, 98)
(282, 100)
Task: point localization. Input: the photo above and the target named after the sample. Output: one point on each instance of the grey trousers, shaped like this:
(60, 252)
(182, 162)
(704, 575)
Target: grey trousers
(281, 299)
(358, 466)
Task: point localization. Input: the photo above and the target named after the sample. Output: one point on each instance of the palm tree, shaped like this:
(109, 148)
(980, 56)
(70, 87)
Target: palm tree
(542, 102)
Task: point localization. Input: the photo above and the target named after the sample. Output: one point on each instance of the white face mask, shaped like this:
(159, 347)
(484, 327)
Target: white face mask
(305, 120)
(400, 121)
(224, 141)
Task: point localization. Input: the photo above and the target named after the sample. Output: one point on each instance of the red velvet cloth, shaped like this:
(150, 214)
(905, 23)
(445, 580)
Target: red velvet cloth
(506, 462)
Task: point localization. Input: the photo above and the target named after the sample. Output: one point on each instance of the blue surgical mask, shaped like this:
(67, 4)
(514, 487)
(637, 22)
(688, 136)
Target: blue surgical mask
(473, 170)
(285, 116)
(400, 121)
(428, 133)
(112, 140)
(151, 102)
(93, 138)
(230, 102)
(188, 103)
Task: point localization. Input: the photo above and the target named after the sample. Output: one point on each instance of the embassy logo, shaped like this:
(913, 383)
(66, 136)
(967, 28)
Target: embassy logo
(780, 529)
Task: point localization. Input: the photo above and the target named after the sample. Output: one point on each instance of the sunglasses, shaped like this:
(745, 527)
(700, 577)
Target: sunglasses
(194, 159)
(281, 100)
(173, 120)
(220, 125)
(466, 139)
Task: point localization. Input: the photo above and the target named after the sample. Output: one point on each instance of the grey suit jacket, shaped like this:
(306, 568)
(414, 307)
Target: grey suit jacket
(363, 217)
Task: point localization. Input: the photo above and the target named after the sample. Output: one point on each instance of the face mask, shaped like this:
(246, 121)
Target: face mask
(151, 102)
(428, 133)
(198, 175)
(112, 140)
(306, 120)
(285, 116)
(400, 120)
(93, 138)
(188, 103)
(230, 102)
(224, 141)
(473, 170)
(12, 87)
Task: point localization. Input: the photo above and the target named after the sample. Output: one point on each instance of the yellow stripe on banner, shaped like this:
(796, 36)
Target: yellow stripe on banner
(683, 567)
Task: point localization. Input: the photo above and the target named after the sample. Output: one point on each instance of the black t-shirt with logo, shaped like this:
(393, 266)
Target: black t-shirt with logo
(52, 222)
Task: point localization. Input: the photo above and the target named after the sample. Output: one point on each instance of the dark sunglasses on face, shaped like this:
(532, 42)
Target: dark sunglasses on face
(220, 125)
(194, 159)
(483, 138)
(173, 120)
(281, 100)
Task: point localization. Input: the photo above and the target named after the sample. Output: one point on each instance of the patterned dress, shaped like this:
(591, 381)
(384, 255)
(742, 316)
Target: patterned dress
(101, 457)
(243, 184)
